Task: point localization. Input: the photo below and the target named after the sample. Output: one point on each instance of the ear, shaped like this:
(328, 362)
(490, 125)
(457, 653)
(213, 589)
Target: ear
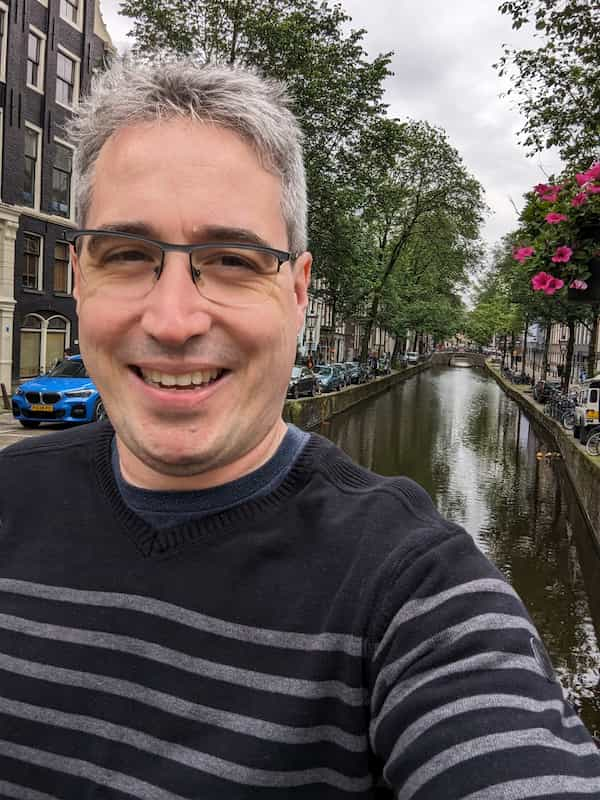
(302, 270)
(76, 277)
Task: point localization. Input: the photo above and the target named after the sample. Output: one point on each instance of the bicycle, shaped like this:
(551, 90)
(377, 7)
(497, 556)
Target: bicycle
(592, 446)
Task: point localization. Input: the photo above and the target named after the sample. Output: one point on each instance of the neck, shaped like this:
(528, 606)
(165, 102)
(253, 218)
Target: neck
(138, 473)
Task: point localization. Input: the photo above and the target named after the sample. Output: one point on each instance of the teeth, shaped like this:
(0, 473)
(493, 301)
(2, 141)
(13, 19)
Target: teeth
(191, 378)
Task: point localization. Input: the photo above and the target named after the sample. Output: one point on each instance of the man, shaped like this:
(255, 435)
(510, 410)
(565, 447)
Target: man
(218, 605)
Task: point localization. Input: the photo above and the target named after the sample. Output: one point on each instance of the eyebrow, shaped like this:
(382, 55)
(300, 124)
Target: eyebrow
(205, 233)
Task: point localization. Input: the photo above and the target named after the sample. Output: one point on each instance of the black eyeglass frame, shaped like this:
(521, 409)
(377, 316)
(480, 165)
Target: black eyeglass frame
(165, 247)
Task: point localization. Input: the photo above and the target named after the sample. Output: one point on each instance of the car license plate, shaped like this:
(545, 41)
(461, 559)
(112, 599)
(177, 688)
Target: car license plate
(40, 407)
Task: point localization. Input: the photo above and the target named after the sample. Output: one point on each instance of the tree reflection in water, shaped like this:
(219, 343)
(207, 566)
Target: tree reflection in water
(458, 435)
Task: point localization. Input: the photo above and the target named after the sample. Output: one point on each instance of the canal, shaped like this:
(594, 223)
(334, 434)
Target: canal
(457, 434)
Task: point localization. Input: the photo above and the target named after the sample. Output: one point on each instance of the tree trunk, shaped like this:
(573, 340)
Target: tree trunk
(546, 350)
(524, 352)
(512, 349)
(415, 342)
(364, 349)
(593, 351)
(566, 378)
(504, 341)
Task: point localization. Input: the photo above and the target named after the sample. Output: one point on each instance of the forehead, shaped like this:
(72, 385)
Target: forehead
(184, 175)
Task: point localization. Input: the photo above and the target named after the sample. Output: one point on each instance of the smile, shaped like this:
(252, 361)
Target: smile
(190, 380)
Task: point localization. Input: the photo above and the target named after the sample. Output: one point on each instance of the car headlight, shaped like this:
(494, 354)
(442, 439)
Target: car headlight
(80, 393)
(20, 391)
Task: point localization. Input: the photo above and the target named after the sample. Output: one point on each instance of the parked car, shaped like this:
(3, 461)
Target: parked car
(344, 372)
(412, 357)
(587, 410)
(353, 371)
(303, 383)
(64, 394)
(330, 377)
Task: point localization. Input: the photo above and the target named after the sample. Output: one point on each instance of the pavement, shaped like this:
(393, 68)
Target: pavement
(12, 431)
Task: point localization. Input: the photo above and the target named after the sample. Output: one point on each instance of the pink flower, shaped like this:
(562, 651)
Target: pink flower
(541, 188)
(553, 285)
(521, 253)
(544, 282)
(593, 188)
(562, 255)
(551, 197)
(553, 218)
(592, 174)
(577, 284)
(579, 199)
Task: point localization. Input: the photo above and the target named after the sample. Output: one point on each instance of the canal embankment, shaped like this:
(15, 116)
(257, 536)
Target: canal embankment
(310, 413)
(582, 469)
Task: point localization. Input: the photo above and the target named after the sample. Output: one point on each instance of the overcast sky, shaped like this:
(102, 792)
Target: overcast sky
(442, 64)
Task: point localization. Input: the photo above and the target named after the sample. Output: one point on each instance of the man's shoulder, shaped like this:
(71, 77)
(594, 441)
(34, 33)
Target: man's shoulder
(355, 480)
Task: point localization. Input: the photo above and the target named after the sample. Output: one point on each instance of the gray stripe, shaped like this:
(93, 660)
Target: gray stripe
(87, 770)
(475, 703)
(390, 674)
(483, 661)
(543, 786)
(333, 642)
(149, 744)
(473, 748)
(227, 770)
(422, 605)
(183, 661)
(261, 729)
(24, 792)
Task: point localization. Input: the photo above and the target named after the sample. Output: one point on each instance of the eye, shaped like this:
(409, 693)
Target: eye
(128, 255)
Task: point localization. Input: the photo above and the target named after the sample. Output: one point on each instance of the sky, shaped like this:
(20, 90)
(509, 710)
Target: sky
(442, 65)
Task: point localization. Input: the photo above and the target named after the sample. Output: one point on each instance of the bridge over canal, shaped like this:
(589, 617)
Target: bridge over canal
(446, 358)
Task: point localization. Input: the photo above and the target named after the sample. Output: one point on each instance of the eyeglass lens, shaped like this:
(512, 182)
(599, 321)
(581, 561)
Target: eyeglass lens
(129, 268)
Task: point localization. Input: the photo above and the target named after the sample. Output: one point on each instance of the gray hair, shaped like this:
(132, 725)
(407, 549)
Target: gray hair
(255, 108)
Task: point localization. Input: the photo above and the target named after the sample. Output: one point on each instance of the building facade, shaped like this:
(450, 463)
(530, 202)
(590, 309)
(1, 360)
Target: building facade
(48, 53)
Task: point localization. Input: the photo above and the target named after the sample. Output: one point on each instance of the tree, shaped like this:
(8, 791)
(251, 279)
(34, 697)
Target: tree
(336, 91)
(557, 83)
(419, 196)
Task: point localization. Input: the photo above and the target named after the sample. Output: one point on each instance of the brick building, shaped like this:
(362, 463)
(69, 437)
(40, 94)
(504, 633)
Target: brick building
(48, 53)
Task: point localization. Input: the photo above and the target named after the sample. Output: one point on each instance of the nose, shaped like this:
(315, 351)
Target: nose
(174, 310)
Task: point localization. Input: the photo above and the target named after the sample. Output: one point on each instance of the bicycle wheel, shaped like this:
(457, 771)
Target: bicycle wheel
(568, 420)
(592, 446)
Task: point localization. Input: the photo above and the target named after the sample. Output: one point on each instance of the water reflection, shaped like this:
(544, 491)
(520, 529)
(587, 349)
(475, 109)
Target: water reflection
(475, 452)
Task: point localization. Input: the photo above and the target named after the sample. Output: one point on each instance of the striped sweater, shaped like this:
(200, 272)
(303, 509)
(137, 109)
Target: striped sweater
(335, 639)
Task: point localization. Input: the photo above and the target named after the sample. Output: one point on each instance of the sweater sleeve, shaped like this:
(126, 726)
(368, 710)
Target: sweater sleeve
(464, 701)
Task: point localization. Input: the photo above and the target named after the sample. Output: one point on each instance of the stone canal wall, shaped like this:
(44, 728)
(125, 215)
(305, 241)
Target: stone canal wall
(582, 469)
(310, 412)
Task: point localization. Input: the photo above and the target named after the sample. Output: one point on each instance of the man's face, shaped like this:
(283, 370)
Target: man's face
(176, 180)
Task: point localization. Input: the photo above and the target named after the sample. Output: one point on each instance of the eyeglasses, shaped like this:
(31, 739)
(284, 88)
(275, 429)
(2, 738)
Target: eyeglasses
(126, 266)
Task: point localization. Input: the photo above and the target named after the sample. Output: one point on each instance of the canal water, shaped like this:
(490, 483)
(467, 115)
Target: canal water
(458, 435)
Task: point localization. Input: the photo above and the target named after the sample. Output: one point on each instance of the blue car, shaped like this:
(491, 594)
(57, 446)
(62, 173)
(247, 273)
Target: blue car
(65, 394)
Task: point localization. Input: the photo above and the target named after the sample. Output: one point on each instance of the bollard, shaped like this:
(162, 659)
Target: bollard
(5, 399)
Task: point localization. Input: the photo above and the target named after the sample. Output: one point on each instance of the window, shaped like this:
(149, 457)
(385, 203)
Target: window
(56, 334)
(31, 341)
(60, 201)
(61, 267)
(35, 59)
(32, 159)
(32, 272)
(69, 10)
(66, 79)
(3, 39)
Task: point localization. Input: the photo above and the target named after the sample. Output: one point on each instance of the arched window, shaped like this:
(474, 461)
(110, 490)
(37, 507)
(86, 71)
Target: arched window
(31, 343)
(43, 342)
(55, 341)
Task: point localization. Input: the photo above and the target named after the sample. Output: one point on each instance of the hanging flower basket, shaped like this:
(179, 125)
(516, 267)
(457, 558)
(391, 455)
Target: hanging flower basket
(561, 241)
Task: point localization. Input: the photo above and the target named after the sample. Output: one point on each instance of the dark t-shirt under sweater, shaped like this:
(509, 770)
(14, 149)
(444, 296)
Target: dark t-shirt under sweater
(311, 643)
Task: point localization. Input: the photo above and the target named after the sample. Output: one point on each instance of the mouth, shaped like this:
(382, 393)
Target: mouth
(184, 382)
